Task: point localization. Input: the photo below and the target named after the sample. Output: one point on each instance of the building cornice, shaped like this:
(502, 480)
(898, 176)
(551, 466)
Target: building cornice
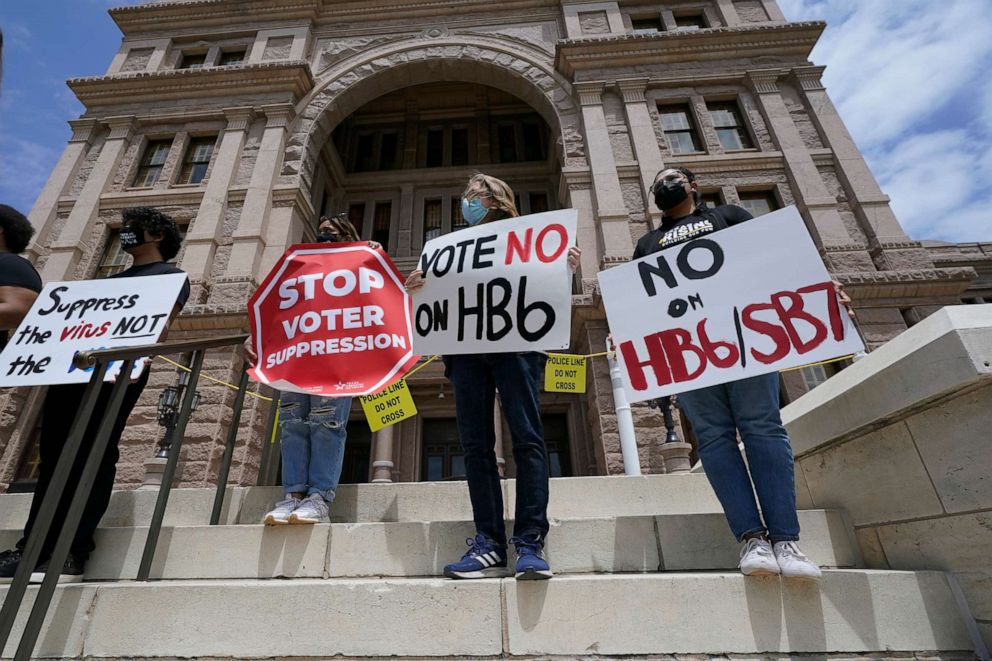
(739, 41)
(292, 77)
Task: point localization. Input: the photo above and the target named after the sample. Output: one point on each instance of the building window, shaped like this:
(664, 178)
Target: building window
(365, 153)
(356, 214)
(443, 457)
(813, 376)
(729, 125)
(647, 24)
(232, 57)
(152, 162)
(758, 203)
(197, 160)
(690, 21)
(435, 148)
(459, 146)
(114, 259)
(680, 132)
(357, 453)
(432, 219)
(192, 60)
(506, 142)
(457, 221)
(388, 148)
(534, 149)
(712, 199)
(538, 202)
(556, 439)
(380, 223)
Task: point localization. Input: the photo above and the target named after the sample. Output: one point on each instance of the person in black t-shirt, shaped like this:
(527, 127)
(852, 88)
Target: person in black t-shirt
(151, 238)
(749, 406)
(19, 281)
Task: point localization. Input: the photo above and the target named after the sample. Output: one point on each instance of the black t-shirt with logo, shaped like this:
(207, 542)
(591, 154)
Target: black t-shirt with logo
(704, 220)
(15, 271)
(157, 268)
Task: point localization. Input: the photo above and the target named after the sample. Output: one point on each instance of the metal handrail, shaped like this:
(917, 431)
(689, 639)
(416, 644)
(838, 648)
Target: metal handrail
(100, 360)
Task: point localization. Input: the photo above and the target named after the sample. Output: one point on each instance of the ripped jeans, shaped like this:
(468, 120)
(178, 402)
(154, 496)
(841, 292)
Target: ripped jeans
(313, 430)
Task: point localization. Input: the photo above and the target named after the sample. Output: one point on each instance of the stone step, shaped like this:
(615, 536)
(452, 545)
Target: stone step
(573, 497)
(853, 611)
(671, 542)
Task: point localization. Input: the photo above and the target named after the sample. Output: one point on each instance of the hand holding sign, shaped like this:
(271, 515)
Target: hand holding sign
(496, 288)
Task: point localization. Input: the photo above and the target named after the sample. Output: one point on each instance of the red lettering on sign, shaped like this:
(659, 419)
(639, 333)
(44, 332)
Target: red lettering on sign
(775, 333)
(792, 312)
(712, 348)
(513, 245)
(562, 243)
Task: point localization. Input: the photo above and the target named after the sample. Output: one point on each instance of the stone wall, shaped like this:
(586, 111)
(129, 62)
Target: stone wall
(902, 440)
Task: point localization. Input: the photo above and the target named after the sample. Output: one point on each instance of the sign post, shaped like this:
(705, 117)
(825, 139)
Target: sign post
(748, 300)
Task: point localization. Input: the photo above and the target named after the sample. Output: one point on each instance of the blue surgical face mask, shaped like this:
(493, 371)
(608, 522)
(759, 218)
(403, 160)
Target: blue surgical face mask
(472, 210)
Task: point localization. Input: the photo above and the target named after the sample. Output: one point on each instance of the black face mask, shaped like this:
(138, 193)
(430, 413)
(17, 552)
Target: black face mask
(327, 237)
(131, 237)
(669, 194)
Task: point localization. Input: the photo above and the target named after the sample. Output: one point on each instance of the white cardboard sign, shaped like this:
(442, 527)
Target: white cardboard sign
(747, 300)
(83, 315)
(497, 288)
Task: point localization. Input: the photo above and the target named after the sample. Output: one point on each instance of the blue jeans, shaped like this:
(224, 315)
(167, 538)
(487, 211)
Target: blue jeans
(475, 379)
(750, 405)
(313, 430)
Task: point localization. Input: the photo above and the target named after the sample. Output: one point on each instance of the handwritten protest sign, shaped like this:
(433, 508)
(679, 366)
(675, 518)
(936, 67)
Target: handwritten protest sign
(565, 373)
(333, 320)
(390, 406)
(748, 300)
(83, 315)
(497, 288)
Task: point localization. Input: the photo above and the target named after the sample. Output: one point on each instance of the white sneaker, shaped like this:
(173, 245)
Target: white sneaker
(793, 563)
(312, 509)
(757, 558)
(280, 513)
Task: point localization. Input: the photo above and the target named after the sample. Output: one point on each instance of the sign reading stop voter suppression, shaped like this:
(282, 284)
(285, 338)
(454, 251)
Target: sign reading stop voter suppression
(748, 300)
(499, 287)
(332, 320)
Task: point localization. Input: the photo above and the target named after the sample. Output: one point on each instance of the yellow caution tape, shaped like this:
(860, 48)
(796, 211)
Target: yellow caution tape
(217, 381)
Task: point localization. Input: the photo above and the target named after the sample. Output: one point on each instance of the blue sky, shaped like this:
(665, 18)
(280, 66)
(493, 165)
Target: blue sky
(909, 77)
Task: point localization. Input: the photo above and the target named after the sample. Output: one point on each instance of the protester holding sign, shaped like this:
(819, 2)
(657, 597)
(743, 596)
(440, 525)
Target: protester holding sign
(313, 429)
(749, 405)
(151, 238)
(475, 379)
(19, 281)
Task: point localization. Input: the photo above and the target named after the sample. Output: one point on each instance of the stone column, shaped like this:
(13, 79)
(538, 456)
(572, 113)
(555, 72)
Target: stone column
(249, 237)
(577, 186)
(483, 153)
(208, 228)
(644, 140)
(727, 12)
(42, 215)
(410, 136)
(71, 243)
(498, 427)
(382, 455)
(610, 209)
(869, 203)
(773, 11)
(405, 238)
(811, 194)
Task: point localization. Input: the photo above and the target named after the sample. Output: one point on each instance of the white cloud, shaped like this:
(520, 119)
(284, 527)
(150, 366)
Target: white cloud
(910, 80)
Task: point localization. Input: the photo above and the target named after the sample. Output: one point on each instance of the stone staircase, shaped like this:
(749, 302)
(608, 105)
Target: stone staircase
(646, 566)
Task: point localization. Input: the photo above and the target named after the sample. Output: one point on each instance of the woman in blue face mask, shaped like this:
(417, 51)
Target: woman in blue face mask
(476, 379)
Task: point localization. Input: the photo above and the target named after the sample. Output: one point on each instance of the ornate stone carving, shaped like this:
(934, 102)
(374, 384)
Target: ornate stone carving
(435, 32)
(83, 129)
(590, 93)
(633, 89)
(121, 128)
(764, 82)
(238, 119)
(809, 78)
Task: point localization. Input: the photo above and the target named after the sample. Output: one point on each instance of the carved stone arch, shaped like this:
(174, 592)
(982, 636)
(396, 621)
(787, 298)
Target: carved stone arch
(347, 85)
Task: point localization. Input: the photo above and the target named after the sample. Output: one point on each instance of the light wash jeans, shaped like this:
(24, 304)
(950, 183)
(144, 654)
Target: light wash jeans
(752, 406)
(313, 431)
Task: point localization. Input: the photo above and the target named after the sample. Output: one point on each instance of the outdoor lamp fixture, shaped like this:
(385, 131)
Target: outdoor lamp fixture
(666, 404)
(169, 402)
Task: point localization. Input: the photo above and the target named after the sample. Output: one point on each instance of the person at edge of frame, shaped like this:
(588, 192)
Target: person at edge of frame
(151, 238)
(20, 283)
(518, 377)
(313, 428)
(769, 539)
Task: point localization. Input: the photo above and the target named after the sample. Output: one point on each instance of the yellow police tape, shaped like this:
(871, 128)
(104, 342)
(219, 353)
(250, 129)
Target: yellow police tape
(217, 381)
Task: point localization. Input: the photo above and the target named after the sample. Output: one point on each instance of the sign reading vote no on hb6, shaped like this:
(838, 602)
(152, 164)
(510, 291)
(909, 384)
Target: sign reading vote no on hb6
(496, 288)
(748, 300)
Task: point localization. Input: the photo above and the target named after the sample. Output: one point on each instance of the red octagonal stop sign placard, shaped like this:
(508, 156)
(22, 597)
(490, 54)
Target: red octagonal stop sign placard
(333, 320)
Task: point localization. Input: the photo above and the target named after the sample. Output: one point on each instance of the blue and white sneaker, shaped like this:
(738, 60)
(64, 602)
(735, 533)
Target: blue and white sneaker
(484, 559)
(531, 563)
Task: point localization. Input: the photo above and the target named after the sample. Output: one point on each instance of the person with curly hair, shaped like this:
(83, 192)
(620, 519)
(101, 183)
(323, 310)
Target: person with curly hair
(19, 281)
(151, 238)
(313, 428)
